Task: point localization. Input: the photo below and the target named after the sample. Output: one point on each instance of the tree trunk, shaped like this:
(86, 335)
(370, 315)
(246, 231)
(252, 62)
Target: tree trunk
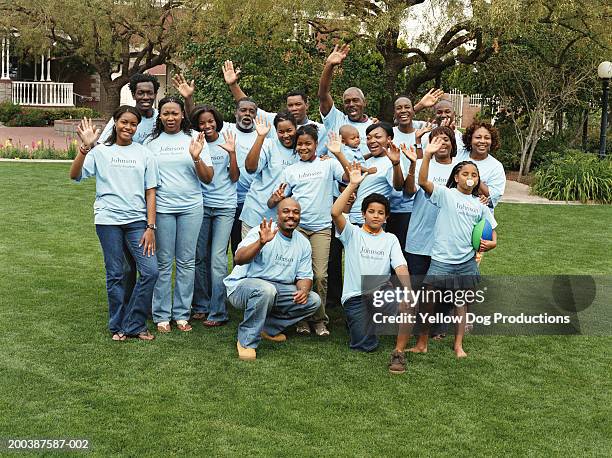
(386, 104)
(585, 129)
(113, 94)
(529, 139)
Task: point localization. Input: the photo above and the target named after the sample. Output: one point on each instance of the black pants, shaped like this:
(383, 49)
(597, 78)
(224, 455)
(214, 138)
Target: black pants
(334, 271)
(397, 224)
(236, 235)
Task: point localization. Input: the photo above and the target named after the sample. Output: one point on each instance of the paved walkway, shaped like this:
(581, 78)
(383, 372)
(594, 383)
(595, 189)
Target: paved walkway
(28, 135)
(518, 193)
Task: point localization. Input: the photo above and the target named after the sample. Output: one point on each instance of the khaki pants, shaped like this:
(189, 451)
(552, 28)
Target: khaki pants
(245, 230)
(319, 241)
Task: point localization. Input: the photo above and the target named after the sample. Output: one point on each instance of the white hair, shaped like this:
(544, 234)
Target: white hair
(359, 92)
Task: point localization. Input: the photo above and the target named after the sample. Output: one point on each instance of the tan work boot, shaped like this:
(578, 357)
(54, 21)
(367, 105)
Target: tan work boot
(277, 338)
(246, 354)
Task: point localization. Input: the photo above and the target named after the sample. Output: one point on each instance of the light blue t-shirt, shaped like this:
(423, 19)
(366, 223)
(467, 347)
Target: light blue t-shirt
(311, 183)
(221, 191)
(273, 160)
(367, 254)
(420, 237)
(351, 154)
(492, 172)
(180, 186)
(144, 129)
(458, 215)
(122, 173)
(281, 260)
(399, 200)
(381, 182)
(244, 142)
(335, 119)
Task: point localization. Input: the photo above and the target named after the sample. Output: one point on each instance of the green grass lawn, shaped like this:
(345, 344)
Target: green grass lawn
(187, 394)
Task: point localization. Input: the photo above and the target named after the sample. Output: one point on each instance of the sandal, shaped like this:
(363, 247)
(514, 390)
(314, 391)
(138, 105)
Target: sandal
(145, 335)
(213, 324)
(198, 316)
(118, 337)
(183, 326)
(163, 328)
(438, 337)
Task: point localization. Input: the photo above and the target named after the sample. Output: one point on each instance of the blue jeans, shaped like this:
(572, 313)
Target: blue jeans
(177, 235)
(268, 306)
(211, 263)
(127, 315)
(361, 328)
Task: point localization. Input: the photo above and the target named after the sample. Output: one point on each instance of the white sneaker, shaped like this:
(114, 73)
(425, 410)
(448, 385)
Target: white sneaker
(303, 328)
(320, 329)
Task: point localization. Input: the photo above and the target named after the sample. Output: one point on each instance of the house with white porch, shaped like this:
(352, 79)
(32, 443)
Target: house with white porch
(42, 81)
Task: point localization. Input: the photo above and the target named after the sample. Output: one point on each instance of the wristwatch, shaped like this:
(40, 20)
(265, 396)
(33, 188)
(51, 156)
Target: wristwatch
(418, 146)
(152, 226)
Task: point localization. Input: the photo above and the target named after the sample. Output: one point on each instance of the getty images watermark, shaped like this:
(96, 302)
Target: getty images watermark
(500, 305)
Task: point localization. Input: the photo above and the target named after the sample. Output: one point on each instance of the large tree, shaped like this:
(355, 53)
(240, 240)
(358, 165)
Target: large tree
(418, 39)
(111, 36)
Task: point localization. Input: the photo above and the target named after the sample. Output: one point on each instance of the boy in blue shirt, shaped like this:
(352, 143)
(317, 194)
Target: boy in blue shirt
(369, 250)
(272, 280)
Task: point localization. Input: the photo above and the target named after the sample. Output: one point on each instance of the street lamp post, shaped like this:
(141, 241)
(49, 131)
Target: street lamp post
(604, 71)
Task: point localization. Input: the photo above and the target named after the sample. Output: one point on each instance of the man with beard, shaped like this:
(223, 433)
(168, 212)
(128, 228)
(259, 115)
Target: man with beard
(244, 130)
(297, 104)
(272, 280)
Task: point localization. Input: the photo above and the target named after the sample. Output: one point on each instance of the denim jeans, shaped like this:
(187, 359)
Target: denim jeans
(268, 306)
(177, 235)
(211, 263)
(361, 328)
(127, 315)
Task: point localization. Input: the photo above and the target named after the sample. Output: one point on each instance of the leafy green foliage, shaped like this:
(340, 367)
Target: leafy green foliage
(269, 71)
(17, 116)
(576, 176)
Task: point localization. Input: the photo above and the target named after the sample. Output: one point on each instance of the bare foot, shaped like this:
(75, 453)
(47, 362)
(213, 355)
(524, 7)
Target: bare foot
(417, 349)
(460, 353)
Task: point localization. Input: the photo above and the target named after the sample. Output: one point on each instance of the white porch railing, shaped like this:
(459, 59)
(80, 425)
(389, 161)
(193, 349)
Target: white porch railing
(43, 93)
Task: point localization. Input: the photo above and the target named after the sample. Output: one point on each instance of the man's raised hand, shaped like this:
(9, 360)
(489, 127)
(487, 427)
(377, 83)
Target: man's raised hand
(229, 74)
(431, 98)
(338, 55)
(266, 233)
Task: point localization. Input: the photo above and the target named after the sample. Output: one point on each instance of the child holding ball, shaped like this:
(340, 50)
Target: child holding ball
(453, 264)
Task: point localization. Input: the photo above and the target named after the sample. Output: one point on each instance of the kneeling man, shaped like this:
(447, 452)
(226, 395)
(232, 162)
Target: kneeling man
(272, 280)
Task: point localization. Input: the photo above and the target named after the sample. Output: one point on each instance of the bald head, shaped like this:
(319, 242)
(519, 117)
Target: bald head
(288, 215)
(444, 110)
